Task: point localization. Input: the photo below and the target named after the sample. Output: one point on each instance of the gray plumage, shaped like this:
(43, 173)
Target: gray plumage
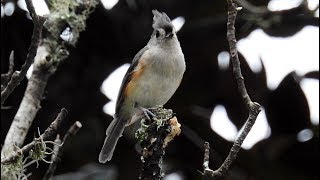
(160, 20)
(153, 77)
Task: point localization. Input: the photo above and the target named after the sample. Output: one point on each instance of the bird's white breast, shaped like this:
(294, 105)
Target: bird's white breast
(163, 71)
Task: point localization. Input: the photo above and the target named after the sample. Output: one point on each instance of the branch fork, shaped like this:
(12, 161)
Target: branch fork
(254, 108)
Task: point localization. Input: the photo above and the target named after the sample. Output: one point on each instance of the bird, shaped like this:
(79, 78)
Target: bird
(153, 77)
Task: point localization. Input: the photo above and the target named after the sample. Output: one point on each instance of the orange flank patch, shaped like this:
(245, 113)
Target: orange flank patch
(136, 74)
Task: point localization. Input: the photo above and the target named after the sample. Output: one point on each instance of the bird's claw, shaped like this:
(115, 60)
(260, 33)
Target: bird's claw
(147, 113)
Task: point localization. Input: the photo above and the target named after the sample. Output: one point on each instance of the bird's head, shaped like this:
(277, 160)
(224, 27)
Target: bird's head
(163, 29)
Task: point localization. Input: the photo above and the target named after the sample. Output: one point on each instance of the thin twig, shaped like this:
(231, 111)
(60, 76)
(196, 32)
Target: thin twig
(253, 107)
(52, 129)
(206, 156)
(6, 77)
(73, 130)
(55, 158)
(48, 133)
(252, 8)
(206, 170)
(18, 76)
(50, 54)
(32, 11)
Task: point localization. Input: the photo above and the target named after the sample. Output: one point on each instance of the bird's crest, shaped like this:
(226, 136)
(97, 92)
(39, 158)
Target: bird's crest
(161, 20)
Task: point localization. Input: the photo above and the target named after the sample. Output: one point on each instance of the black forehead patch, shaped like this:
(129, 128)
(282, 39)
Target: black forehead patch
(168, 29)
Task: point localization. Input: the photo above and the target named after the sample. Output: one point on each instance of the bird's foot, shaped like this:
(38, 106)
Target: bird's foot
(147, 113)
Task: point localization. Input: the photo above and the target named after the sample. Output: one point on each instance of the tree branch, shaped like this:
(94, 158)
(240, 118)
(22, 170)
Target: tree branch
(154, 137)
(48, 133)
(252, 8)
(54, 159)
(58, 149)
(253, 107)
(50, 53)
(6, 77)
(18, 76)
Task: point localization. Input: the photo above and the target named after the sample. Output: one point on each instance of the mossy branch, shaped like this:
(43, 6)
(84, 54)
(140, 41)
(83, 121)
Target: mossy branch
(154, 136)
(51, 52)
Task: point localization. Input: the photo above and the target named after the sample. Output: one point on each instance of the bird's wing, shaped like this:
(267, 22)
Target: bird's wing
(127, 78)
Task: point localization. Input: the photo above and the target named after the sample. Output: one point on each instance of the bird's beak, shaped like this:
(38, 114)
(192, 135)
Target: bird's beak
(169, 35)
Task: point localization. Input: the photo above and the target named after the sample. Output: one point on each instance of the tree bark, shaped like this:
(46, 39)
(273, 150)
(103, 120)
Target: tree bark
(27, 111)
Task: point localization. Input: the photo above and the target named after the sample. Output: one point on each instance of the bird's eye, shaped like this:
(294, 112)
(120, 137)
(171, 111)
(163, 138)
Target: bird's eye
(157, 33)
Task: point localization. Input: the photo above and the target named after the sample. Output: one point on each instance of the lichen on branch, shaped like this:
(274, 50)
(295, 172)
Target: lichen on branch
(67, 19)
(53, 49)
(154, 136)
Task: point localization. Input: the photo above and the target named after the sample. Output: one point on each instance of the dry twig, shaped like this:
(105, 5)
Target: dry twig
(50, 53)
(253, 107)
(6, 77)
(58, 149)
(54, 159)
(18, 76)
(252, 8)
(48, 133)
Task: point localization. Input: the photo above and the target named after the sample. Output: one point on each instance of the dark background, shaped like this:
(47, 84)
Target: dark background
(113, 37)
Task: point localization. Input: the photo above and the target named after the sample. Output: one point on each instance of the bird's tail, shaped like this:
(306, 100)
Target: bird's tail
(114, 132)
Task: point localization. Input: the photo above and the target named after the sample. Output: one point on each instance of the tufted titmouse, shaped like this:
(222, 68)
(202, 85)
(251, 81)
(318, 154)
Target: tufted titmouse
(153, 77)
